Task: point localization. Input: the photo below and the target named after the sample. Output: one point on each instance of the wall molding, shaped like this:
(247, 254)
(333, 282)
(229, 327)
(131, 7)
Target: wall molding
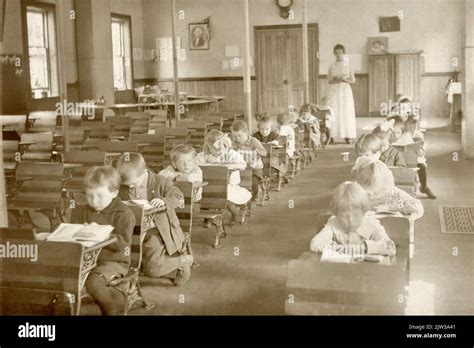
(438, 73)
(192, 79)
(360, 76)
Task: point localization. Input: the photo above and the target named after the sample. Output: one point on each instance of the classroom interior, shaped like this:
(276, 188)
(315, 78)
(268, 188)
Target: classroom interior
(116, 58)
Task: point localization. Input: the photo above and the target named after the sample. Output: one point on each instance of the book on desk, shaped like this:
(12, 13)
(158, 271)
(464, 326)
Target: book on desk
(87, 235)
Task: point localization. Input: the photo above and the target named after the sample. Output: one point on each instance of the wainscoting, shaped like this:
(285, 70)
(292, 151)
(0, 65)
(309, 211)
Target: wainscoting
(432, 98)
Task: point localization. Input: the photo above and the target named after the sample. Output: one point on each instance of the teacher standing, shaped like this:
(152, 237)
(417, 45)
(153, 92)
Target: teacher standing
(340, 76)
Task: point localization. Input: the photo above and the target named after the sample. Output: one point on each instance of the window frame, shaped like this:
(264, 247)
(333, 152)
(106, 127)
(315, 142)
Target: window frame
(115, 17)
(50, 44)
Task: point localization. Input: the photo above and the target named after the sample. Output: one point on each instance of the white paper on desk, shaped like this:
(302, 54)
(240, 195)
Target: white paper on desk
(330, 255)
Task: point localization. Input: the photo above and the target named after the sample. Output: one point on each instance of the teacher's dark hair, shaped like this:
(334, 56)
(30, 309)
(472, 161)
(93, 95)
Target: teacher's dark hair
(339, 47)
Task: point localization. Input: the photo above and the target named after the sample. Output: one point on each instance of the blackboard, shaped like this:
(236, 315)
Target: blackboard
(14, 85)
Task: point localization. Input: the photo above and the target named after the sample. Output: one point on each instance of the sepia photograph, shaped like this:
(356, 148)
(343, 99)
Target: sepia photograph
(315, 159)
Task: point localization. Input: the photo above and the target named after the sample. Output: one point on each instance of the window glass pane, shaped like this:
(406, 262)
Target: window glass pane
(116, 38)
(36, 34)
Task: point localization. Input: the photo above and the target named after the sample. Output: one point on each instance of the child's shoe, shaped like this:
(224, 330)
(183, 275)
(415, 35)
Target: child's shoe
(428, 192)
(184, 273)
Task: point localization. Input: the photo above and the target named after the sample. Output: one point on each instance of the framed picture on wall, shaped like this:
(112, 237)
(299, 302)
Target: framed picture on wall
(198, 36)
(377, 45)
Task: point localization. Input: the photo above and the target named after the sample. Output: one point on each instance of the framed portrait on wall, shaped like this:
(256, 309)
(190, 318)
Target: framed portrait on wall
(377, 45)
(198, 36)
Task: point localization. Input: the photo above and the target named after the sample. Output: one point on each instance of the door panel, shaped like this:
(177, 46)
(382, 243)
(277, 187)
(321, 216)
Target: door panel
(280, 68)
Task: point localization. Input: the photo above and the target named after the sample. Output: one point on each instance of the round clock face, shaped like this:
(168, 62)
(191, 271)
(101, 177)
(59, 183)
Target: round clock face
(284, 3)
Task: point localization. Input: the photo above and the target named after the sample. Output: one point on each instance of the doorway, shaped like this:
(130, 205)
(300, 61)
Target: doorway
(279, 67)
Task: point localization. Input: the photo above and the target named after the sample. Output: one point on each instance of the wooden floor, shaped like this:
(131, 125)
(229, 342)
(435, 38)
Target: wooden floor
(254, 281)
(247, 275)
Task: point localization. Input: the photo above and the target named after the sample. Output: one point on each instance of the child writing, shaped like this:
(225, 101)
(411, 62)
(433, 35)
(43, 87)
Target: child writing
(252, 151)
(375, 177)
(351, 225)
(390, 155)
(184, 167)
(217, 150)
(403, 132)
(265, 133)
(324, 107)
(164, 246)
(308, 121)
(101, 185)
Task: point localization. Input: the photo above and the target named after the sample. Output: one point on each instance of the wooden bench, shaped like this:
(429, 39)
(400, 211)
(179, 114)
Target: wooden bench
(95, 132)
(153, 153)
(198, 131)
(48, 286)
(119, 127)
(40, 189)
(42, 121)
(316, 288)
(214, 199)
(158, 119)
(139, 122)
(40, 148)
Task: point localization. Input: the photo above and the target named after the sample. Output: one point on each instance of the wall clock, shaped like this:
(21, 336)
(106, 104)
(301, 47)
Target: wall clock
(284, 6)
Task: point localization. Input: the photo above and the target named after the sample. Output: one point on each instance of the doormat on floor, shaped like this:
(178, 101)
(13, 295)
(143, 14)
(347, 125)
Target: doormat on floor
(456, 219)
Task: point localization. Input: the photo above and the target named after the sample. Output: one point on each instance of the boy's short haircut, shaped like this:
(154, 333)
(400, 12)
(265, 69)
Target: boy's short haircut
(215, 135)
(374, 176)
(368, 143)
(283, 118)
(239, 126)
(348, 196)
(381, 134)
(265, 119)
(399, 123)
(182, 149)
(305, 108)
(260, 115)
(100, 176)
(130, 162)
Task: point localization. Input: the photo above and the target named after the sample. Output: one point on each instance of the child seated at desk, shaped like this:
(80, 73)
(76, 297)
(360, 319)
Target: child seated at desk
(217, 150)
(285, 122)
(375, 177)
(368, 145)
(352, 225)
(403, 133)
(101, 185)
(308, 121)
(328, 119)
(184, 167)
(251, 150)
(164, 246)
(265, 133)
(389, 155)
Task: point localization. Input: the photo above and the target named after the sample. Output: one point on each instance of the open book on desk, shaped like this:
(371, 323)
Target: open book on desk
(87, 235)
(142, 202)
(330, 255)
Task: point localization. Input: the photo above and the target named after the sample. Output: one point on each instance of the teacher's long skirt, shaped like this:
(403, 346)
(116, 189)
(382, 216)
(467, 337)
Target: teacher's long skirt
(342, 103)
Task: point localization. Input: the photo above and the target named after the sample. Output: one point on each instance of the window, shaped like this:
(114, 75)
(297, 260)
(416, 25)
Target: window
(42, 51)
(121, 51)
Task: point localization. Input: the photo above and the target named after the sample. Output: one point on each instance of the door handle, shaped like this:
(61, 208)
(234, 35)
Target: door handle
(285, 82)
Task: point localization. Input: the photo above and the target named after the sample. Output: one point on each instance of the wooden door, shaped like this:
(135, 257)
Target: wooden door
(381, 82)
(408, 75)
(280, 66)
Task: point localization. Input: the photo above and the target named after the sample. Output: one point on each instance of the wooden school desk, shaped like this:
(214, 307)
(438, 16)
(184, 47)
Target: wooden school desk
(327, 288)
(54, 283)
